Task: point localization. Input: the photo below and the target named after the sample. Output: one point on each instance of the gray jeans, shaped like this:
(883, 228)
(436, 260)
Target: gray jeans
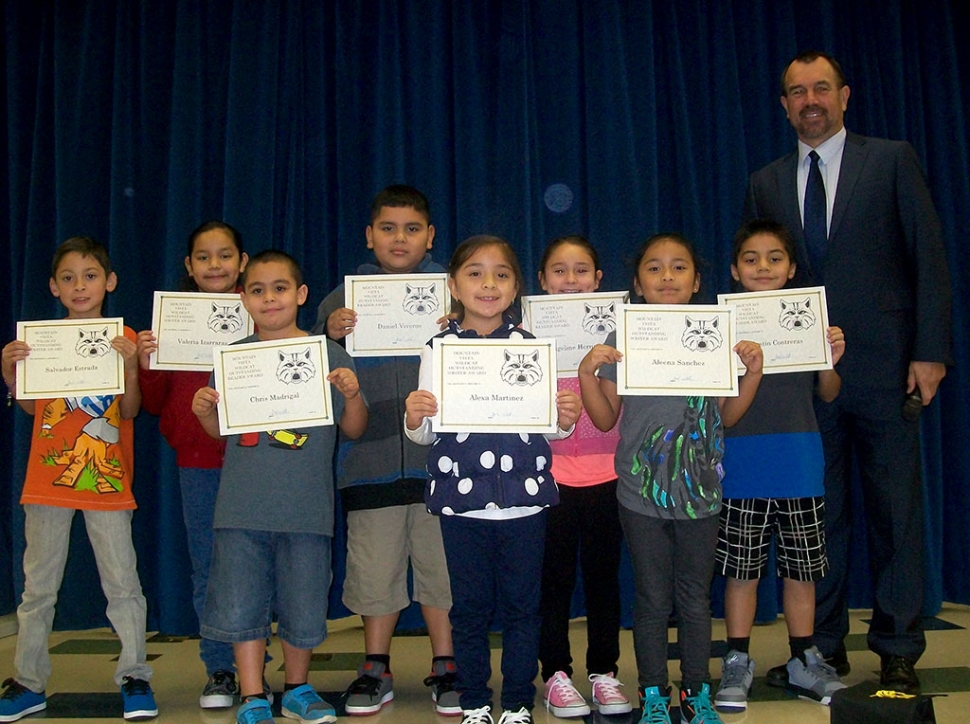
(673, 562)
(47, 530)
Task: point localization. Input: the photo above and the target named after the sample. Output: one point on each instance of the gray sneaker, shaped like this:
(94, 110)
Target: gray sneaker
(220, 691)
(737, 675)
(442, 683)
(814, 680)
(373, 688)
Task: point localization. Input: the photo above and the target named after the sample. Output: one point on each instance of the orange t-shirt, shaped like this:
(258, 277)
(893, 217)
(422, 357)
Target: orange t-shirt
(81, 453)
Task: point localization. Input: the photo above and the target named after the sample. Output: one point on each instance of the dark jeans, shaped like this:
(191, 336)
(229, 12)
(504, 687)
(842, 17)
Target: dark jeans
(495, 568)
(673, 561)
(584, 528)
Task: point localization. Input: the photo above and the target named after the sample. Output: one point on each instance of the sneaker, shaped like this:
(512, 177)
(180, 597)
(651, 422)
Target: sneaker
(372, 689)
(607, 696)
(138, 699)
(522, 716)
(656, 705)
(696, 707)
(562, 699)
(18, 701)
(442, 683)
(814, 680)
(254, 711)
(477, 716)
(737, 675)
(778, 675)
(220, 691)
(305, 705)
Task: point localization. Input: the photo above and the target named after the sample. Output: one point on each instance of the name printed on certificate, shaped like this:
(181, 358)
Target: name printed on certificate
(577, 322)
(396, 313)
(188, 325)
(70, 358)
(495, 385)
(676, 349)
(789, 324)
(273, 386)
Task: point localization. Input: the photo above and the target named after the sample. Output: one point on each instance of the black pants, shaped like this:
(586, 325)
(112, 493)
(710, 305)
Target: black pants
(584, 528)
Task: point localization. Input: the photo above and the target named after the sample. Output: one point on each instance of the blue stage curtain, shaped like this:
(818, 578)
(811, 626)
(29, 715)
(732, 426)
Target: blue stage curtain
(133, 122)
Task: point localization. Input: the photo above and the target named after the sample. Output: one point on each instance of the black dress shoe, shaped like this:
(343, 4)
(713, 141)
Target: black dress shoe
(899, 675)
(778, 675)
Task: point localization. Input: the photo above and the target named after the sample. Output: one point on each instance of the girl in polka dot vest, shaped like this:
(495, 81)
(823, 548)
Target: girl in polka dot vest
(491, 491)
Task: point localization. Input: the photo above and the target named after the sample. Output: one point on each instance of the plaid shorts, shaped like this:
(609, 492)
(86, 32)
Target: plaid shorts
(745, 533)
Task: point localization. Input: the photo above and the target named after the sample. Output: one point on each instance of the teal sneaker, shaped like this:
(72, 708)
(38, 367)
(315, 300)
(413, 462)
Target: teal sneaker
(696, 706)
(305, 705)
(18, 701)
(254, 711)
(656, 705)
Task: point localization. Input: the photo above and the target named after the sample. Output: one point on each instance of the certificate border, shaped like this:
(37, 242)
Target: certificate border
(158, 300)
(539, 300)
(622, 378)
(819, 294)
(350, 282)
(552, 416)
(219, 355)
(24, 390)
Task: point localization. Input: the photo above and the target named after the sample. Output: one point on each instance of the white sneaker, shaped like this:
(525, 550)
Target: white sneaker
(477, 716)
(522, 716)
(562, 699)
(607, 696)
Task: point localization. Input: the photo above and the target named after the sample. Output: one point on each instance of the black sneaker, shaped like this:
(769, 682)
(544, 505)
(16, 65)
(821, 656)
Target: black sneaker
(220, 691)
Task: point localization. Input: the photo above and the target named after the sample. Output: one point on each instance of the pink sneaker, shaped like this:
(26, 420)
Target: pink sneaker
(607, 695)
(562, 699)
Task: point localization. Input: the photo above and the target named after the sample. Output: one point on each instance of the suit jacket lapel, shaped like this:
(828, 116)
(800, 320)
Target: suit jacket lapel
(853, 159)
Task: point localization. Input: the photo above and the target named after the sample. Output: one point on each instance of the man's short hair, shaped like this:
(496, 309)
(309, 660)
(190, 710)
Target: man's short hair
(810, 56)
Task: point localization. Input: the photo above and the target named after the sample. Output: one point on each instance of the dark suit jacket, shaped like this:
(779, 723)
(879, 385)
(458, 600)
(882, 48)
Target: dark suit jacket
(886, 278)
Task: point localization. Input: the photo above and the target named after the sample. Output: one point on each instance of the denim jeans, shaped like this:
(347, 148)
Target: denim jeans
(199, 489)
(258, 573)
(47, 531)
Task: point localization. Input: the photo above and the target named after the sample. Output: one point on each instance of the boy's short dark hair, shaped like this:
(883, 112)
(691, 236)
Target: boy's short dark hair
(85, 246)
(400, 196)
(763, 226)
(271, 255)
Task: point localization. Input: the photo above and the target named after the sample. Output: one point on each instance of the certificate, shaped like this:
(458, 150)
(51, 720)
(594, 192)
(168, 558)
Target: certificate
(70, 358)
(494, 385)
(396, 313)
(576, 321)
(676, 349)
(274, 385)
(188, 325)
(789, 324)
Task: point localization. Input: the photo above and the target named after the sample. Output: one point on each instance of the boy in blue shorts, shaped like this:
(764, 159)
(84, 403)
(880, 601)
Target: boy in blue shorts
(81, 458)
(274, 515)
(381, 477)
(773, 485)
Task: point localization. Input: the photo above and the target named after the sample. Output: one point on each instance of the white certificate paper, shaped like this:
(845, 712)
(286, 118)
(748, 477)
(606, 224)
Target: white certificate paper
(494, 385)
(676, 349)
(789, 324)
(189, 325)
(70, 358)
(396, 313)
(274, 385)
(576, 321)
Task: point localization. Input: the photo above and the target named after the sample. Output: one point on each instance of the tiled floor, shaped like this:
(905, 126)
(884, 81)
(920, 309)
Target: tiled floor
(81, 686)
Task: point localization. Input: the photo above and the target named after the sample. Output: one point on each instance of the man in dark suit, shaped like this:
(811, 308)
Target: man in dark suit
(875, 242)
